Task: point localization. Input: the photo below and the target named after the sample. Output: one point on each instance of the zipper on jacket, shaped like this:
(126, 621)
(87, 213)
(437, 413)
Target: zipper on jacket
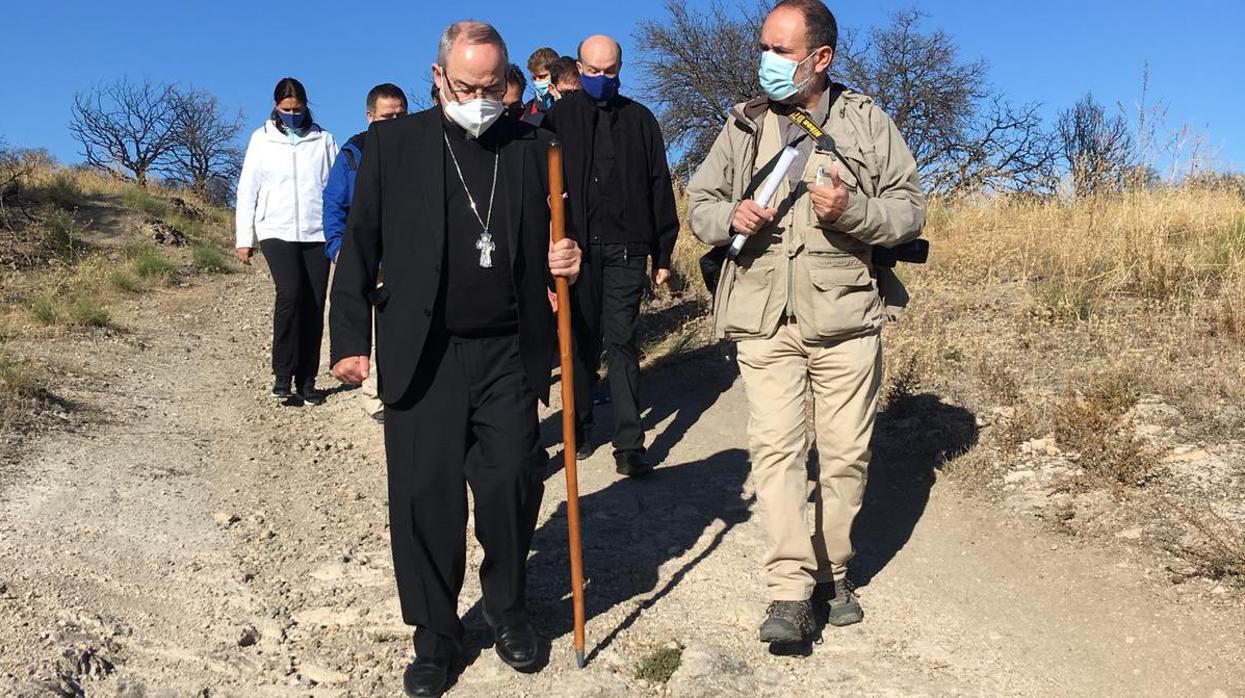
(298, 233)
(790, 287)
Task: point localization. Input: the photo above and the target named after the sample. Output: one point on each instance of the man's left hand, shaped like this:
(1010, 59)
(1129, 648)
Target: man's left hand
(829, 202)
(564, 259)
(660, 277)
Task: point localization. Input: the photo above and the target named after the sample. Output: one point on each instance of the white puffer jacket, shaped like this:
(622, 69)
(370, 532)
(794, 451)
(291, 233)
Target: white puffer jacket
(281, 187)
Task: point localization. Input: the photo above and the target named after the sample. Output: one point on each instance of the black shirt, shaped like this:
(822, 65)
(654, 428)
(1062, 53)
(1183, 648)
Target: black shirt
(476, 301)
(606, 222)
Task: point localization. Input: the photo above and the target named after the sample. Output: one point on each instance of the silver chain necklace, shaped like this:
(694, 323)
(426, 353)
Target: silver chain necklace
(485, 244)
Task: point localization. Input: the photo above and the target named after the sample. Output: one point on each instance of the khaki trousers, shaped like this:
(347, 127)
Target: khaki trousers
(845, 376)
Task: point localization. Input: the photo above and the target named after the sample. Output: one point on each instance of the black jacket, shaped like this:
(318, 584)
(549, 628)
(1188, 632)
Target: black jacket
(534, 112)
(648, 193)
(398, 216)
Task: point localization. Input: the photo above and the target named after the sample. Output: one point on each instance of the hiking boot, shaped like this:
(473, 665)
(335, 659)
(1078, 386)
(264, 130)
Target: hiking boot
(787, 622)
(281, 388)
(838, 601)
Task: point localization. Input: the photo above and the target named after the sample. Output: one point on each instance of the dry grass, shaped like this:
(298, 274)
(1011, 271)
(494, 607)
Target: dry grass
(1022, 298)
(1052, 319)
(71, 269)
(1172, 246)
(19, 386)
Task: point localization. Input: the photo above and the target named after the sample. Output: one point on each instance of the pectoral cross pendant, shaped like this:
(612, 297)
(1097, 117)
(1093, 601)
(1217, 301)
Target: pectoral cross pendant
(486, 246)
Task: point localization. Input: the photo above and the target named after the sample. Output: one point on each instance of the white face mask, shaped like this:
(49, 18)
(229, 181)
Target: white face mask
(475, 116)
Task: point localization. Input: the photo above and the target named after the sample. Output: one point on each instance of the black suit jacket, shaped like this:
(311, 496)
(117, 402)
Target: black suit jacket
(397, 218)
(647, 190)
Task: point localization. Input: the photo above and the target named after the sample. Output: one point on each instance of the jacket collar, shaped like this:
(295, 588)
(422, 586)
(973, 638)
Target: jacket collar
(748, 114)
(272, 134)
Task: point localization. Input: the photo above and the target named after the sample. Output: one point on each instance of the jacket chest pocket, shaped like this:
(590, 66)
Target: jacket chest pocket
(856, 174)
(838, 301)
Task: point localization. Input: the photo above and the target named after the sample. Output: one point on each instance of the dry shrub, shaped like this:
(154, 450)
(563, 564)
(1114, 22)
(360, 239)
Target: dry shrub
(685, 260)
(1089, 421)
(1019, 426)
(901, 380)
(1001, 382)
(1212, 546)
(20, 390)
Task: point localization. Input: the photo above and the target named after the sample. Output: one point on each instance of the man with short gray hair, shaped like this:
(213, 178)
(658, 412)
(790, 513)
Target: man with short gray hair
(453, 202)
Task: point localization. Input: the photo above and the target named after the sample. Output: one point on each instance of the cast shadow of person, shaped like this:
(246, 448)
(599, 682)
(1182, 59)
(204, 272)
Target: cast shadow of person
(914, 436)
(629, 530)
(682, 387)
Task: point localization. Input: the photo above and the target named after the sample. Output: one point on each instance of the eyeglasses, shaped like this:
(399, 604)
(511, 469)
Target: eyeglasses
(458, 92)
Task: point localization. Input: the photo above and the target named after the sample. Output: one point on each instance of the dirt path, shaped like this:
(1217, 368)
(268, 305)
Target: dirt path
(203, 540)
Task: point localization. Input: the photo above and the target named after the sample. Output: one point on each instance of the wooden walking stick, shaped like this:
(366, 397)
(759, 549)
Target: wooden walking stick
(557, 210)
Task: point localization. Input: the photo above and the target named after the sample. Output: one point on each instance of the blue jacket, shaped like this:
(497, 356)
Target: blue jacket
(338, 192)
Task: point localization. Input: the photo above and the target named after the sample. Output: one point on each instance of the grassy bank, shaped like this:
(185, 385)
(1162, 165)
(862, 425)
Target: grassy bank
(74, 245)
(1102, 337)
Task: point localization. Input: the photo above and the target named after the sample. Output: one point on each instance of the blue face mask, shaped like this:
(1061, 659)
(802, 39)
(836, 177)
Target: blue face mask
(600, 87)
(291, 120)
(541, 88)
(777, 76)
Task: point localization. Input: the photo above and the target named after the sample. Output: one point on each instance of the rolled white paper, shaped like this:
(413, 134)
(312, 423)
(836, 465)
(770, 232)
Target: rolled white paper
(768, 187)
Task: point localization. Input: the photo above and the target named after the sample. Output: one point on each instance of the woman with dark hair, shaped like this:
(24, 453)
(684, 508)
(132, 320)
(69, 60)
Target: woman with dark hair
(279, 202)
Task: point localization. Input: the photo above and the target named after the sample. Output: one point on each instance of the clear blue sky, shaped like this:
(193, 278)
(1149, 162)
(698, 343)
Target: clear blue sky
(1050, 52)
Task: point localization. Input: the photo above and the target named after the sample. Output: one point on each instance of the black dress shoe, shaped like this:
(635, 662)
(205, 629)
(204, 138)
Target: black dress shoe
(426, 676)
(631, 464)
(584, 448)
(517, 645)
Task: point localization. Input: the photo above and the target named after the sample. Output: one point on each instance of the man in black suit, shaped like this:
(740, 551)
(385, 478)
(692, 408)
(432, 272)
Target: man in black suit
(623, 213)
(453, 202)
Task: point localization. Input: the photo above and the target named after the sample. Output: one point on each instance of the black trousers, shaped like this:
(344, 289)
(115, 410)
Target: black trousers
(300, 272)
(468, 419)
(604, 313)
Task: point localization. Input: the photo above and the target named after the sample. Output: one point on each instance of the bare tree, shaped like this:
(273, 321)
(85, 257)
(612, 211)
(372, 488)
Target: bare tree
(964, 137)
(125, 128)
(204, 151)
(10, 169)
(696, 64)
(919, 80)
(1096, 147)
(1009, 149)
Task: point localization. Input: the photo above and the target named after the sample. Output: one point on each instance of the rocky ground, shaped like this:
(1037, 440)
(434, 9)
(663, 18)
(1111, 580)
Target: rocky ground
(182, 534)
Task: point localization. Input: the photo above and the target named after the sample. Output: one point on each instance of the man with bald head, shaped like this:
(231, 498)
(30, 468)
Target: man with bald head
(622, 213)
(453, 202)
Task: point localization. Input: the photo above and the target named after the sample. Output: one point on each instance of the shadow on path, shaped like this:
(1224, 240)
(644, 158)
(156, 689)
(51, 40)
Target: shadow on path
(630, 530)
(913, 438)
